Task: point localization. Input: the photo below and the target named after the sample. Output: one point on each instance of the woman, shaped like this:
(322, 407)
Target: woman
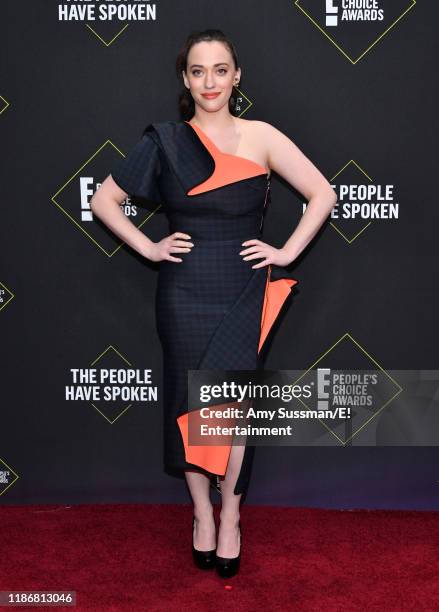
(220, 287)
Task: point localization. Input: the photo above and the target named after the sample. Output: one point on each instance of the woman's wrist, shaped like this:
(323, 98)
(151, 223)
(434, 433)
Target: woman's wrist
(289, 255)
(147, 248)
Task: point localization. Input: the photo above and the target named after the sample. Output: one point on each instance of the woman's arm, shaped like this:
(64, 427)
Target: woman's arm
(105, 204)
(285, 158)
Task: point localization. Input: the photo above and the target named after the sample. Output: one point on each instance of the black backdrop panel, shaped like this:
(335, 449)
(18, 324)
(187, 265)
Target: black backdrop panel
(359, 99)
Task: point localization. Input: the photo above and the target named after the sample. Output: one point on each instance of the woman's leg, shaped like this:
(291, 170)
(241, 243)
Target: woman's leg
(228, 535)
(205, 530)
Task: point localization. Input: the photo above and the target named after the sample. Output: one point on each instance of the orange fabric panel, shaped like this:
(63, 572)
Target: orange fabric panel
(214, 459)
(228, 168)
(276, 292)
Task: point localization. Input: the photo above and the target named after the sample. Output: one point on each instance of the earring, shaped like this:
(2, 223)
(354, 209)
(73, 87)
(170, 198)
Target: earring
(234, 100)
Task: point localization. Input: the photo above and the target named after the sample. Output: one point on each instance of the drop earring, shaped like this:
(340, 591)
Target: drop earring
(234, 99)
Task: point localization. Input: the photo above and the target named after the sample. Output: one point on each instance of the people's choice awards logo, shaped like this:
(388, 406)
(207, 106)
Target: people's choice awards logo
(5, 296)
(74, 196)
(326, 404)
(356, 10)
(354, 26)
(4, 476)
(366, 390)
(7, 477)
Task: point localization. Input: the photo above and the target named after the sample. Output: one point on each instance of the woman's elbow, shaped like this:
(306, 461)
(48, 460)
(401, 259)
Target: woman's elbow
(94, 203)
(332, 197)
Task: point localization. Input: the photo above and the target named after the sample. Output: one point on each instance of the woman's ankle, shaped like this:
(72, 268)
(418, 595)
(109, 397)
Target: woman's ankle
(230, 518)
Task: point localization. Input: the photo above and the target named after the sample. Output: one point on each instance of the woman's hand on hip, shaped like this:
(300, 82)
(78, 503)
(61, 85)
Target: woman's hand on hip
(256, 249)
(174, 243)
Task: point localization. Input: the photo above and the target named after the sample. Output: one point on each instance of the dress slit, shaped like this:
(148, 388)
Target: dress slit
(254, 312)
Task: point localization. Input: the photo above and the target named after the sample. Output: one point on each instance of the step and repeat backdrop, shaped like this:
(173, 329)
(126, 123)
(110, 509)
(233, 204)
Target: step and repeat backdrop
(353, 83)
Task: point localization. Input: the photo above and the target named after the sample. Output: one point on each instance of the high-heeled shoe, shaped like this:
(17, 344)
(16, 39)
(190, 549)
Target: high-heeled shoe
(203, 559)
(227, 567)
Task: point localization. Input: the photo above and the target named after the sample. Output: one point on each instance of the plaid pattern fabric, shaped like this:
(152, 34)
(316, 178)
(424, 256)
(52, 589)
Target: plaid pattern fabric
(137, 173)
(209, 306)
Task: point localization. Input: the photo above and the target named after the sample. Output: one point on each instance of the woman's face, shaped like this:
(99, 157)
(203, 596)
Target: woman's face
(210, 70)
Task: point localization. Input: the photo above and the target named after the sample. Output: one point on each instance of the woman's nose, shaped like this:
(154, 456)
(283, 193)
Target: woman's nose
(209, 82)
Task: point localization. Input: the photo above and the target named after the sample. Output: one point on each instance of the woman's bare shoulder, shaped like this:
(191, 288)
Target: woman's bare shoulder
(261, 131)
(256, 125)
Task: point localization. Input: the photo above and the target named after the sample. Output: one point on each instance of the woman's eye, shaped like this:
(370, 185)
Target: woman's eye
(221, 70)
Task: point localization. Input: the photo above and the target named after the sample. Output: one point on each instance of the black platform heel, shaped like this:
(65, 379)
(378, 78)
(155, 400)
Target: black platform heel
(203, 559)
(225, 567)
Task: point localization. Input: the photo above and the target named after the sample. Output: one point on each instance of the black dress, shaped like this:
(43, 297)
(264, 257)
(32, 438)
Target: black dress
(213, 311)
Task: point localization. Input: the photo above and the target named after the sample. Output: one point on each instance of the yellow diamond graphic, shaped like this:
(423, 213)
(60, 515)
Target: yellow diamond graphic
(334, 225)
(107, 43)
(328, 18)
(4, 106)
(105, 354)
(347, 337)
(5, 296)
(7, 477)
(72, 211)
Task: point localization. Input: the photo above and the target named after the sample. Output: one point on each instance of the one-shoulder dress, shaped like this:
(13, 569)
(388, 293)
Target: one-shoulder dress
(213, 310)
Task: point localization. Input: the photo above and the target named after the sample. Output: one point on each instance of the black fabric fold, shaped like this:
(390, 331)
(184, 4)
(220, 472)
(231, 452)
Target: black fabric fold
(278, 272)
(139, 171)
(187, 156)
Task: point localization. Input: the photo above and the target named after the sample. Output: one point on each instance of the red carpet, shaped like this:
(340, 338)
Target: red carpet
(137, 557)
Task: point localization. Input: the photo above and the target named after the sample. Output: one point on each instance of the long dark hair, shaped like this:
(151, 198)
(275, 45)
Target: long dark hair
(186, 102)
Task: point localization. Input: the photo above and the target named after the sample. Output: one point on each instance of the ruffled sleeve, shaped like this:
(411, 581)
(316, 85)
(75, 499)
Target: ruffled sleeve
(138, 173)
